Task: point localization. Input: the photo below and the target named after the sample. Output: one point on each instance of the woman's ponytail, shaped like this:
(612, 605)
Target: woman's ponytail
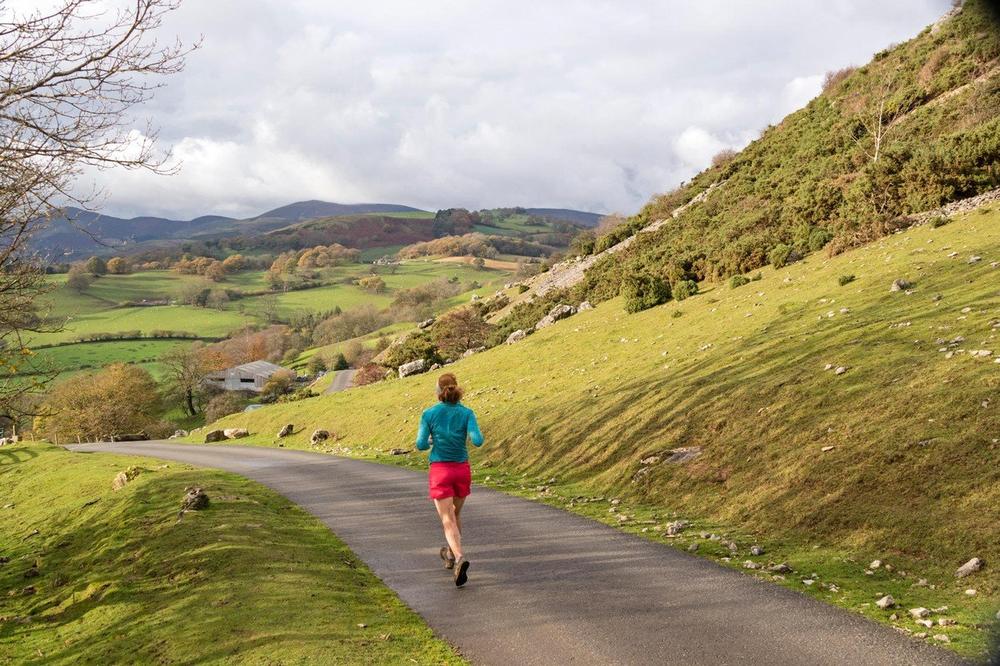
(448, 389)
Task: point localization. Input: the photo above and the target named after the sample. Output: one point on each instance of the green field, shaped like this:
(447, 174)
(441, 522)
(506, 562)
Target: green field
(83, 356)
(913, 475)
(121, 580)
(99, 309)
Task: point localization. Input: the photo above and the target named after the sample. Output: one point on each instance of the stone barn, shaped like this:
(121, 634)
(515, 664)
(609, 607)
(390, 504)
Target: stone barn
(246, 377)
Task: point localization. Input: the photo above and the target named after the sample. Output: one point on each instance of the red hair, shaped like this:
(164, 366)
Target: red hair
(448, 390)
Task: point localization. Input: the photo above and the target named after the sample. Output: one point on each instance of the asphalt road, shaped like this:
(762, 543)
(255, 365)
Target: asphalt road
(548, 587)
(341, 381)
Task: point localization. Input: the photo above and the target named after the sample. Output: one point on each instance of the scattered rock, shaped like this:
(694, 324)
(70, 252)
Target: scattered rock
(426, 323)
(123, 478)
(676, 527)
(693, 548)
(29, 590)
(516, 336)
(942, 638)
(969, 568)
(750, 564)
(781, 568)
(975, 259)
(981, 353)
(901, 284)
(319, 436)
(683, 454)
(215, 436)
(926, 623)
(651, 460)
(179, 433)
(412, 368)
(893, 617)
(828, 366)
(919, 612)
(194, 500)
(236, 433)
(946, 622)
(474, 350)
(825, 449)
(875, 564)
(841, 370)
(286, 430)
(886, 602)
(970, 592)
(731, 545)
(560, 311)
(398, 452)
(756, 551)
(584, 306)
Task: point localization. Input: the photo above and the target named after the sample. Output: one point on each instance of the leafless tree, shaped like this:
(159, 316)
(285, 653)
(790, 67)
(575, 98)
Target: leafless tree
(875, 120)
(69, 79)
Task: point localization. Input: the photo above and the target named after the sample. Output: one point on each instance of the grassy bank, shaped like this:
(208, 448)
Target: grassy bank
(252, 578)
(913, 475)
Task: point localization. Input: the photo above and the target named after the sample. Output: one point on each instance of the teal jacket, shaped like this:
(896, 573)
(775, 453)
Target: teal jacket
(448, 426)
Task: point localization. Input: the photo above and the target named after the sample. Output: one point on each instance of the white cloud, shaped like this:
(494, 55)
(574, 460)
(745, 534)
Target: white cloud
(591, 104)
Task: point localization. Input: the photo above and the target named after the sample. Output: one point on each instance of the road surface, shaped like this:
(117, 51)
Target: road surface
(548, 587)
(342, 380)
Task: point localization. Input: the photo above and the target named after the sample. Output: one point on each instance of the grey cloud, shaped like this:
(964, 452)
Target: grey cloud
(588, 104)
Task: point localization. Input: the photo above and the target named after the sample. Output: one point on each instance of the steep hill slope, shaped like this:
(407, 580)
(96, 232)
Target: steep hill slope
(916, 128)
(894, 458)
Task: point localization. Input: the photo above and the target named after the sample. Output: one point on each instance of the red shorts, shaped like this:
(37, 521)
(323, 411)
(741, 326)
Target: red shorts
(450, 479)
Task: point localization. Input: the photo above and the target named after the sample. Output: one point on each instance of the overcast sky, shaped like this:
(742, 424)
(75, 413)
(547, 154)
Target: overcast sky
(585, 104)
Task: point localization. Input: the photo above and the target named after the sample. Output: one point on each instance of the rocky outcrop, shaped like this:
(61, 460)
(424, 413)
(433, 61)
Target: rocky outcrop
(412, 368)
(516, 336)
(215, 436)
(195, 499)
(236, 433)
(286, 431)
(319, 436)
(124, 477)
(560, 311)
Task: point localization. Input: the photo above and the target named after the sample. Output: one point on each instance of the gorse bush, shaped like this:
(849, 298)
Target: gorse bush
(683, 289)
(779, 255)
(818, 239)
(738, 281)
(643, 291)
(939, 221)
(845, 280)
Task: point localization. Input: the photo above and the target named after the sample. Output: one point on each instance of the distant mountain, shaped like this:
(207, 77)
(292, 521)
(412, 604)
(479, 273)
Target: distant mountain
(578, 216)
(306, 210)
(80, 232)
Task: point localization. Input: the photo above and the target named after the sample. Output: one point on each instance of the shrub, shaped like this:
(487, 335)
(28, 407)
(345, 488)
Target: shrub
(738, 281)
(779, 254)
(818, 238)
(939, 221)
(757, 277)
(683, 289)
(521, 288)
(460, 330)
(643, 291)
(340, 363)
(723, 157)
(369, 373)
(677, 314)
(845, 279)
(418, 345)
(224, 404)
(316, 365)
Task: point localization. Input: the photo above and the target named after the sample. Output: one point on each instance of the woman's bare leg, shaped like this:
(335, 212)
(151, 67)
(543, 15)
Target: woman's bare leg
(459, 503)
(449, 521)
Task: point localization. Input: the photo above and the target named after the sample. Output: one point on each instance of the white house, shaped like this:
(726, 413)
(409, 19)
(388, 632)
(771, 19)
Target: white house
(247, 377)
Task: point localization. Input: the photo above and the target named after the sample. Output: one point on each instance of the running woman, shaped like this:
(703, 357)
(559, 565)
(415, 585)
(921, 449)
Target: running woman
(444, 428)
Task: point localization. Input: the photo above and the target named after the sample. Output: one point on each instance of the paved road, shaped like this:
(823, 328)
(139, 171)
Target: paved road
(548, 587)
(341, 381)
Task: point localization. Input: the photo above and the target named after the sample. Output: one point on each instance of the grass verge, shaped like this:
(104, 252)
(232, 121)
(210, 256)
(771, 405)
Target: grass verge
(96, 575)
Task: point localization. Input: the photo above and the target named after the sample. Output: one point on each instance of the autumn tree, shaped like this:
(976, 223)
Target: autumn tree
(69, 78)
(120, 399)
(78, 279)
(119, 266)
(96, 266)
(460, 330)
(186, 368)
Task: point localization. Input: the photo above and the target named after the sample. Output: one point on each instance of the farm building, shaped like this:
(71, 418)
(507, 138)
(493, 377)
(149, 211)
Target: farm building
(246, 377)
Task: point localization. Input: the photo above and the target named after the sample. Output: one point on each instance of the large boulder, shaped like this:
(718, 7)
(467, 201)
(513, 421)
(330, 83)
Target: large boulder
(901, 284)
(319, 436)
(586, 305)
(474, 350)
(236, 433)
(969, 568)
(179, 433)
(286, 431)
(560, 311)
(412, 368)
(215, 436)
(426, 323)
(516, 336)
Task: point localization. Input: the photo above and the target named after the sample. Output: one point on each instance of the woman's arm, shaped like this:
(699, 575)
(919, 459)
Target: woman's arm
(423, 434)
(474, 434)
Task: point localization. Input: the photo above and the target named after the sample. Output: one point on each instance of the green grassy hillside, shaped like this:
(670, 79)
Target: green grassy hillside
(816, 179)
(251, 579)
(913, 475)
